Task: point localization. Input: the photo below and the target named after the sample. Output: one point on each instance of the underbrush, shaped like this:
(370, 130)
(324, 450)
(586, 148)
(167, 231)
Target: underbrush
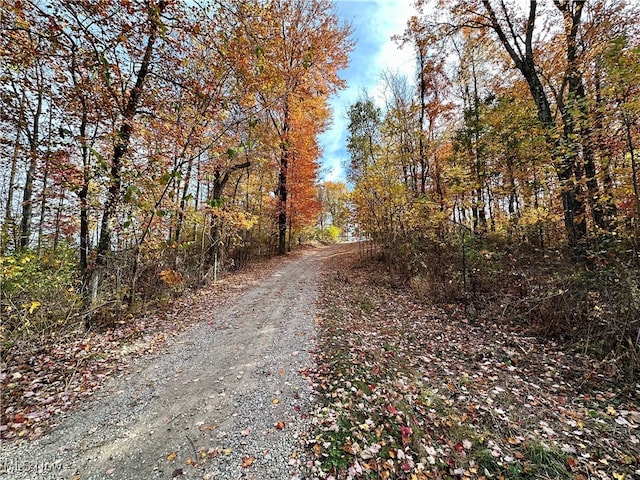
(42, 294)
(596, 310)
(39, 293)
(591, 305)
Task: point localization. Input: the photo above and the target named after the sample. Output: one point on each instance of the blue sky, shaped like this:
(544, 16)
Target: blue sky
(373, 23)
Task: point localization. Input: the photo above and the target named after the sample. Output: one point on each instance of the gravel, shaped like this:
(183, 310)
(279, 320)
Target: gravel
(226, 399)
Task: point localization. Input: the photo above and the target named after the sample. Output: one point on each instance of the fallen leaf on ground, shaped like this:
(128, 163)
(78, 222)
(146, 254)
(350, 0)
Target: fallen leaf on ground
(451, 391)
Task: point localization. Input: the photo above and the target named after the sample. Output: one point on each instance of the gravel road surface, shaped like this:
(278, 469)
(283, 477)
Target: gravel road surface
(226, 399)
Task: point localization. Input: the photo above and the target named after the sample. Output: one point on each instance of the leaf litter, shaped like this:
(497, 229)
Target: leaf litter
(416, 392)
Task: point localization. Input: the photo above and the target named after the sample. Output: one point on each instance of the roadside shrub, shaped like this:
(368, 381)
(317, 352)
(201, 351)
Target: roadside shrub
(40, 293)
(436, 272)
(329, 234)
(599, 309)
(591, 304)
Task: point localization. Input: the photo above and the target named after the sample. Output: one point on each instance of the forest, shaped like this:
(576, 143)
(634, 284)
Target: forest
(513, 162)
(148, 146)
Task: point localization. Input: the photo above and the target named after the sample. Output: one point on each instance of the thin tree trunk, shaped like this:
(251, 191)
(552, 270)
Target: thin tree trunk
(479, 205)
(45, 180)
(282, 186)
(513, 194)
(9, 222)
(123, 139)
(27, 197)
(56, 235)
(43, 203)
(219, 182)
(183, 200)
(83, 196)
(490, 207)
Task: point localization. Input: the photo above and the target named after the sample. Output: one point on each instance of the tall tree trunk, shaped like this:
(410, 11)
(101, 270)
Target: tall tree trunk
(123, 138)
(83, 192)
(282, 185)
(83, 196)
(474, 125)
(8, 227)
(121, 147)
(423, 116)
(572, 204)
(27, 197)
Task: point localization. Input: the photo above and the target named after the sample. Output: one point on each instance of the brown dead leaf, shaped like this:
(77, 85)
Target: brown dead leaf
(248, 461)
(172, 456)
(348, 448)
(205, 428)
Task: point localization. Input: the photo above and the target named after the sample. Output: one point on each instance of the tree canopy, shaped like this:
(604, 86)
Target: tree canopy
(162, 136)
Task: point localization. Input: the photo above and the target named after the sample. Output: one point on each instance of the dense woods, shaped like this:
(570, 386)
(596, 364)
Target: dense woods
(512, 160)
(148, 145)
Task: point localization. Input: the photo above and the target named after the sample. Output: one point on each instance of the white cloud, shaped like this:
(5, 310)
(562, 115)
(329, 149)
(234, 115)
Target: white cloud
(392, 18)
(374, 22)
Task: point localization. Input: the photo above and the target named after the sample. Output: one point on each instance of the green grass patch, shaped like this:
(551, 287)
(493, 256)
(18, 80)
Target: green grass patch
(546, 461)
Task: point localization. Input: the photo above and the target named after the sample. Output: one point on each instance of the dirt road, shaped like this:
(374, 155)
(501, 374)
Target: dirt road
(224, 400)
